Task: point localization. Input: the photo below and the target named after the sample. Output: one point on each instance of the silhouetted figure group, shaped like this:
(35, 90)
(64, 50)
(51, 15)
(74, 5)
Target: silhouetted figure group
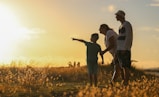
(118, 45)
(74, 65)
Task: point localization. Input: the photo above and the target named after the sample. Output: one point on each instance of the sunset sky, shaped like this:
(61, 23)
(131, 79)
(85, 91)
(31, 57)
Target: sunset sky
(42, 29)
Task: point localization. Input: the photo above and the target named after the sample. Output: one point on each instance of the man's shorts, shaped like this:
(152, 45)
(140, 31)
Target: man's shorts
(92, 67)
(123, 58)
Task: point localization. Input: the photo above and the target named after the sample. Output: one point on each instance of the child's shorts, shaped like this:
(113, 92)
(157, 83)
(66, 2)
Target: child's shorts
(92, 67)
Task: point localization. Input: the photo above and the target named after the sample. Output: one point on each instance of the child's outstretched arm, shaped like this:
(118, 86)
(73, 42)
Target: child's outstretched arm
(80, 40)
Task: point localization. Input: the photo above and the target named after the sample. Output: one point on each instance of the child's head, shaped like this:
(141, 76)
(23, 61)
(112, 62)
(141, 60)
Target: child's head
(94, 37)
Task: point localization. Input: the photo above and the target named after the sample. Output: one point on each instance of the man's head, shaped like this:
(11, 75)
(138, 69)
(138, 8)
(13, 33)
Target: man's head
(94, 37)
(120, 15)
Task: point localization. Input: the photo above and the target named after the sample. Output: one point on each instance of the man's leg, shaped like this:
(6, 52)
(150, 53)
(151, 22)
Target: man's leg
(123, 73)
(127, 75)
(127, 66)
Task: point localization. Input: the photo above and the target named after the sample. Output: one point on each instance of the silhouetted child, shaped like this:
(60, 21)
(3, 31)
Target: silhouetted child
(92, 56)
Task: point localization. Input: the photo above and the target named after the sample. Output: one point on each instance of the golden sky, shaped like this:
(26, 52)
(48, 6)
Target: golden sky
(42, 29)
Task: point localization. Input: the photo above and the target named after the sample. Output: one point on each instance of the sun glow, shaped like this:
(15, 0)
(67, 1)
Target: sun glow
(11, 32)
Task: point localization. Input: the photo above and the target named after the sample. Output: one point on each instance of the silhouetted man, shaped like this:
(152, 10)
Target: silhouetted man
(124, 44)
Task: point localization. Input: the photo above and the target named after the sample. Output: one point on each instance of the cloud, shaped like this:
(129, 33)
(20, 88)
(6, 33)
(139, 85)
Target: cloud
(156, 29)
(155, 3)
(156, 38)
(154, 32)
(152, 29)
(110, 8)
(146, 28)
(156, 0)
(27, 33)
(147, 64)
(123, 0)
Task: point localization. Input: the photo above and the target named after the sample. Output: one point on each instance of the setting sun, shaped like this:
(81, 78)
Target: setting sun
(11, 32)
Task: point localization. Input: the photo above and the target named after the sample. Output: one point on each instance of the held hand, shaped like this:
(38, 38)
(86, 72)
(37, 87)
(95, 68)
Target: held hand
(102, 52)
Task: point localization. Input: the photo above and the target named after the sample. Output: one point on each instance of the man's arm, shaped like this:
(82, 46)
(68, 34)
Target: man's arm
(129, 36)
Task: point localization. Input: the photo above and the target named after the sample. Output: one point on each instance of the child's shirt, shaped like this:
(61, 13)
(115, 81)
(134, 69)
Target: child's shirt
(92, 51)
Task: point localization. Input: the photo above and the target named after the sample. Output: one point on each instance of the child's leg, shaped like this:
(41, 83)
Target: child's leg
(95, 80)
(90, 79)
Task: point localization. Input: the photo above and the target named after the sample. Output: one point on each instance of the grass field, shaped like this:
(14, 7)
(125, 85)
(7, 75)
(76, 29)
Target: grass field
(72, 82)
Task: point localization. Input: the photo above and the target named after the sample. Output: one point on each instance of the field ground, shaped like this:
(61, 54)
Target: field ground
(73, 82)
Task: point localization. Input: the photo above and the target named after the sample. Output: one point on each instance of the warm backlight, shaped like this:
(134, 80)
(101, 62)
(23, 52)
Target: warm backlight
(11, 32)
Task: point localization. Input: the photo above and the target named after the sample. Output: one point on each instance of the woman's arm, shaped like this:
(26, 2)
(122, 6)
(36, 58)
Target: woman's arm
(111, 45)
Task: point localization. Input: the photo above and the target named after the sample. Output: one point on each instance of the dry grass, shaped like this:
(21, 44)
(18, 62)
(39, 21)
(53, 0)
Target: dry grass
(72, 82)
